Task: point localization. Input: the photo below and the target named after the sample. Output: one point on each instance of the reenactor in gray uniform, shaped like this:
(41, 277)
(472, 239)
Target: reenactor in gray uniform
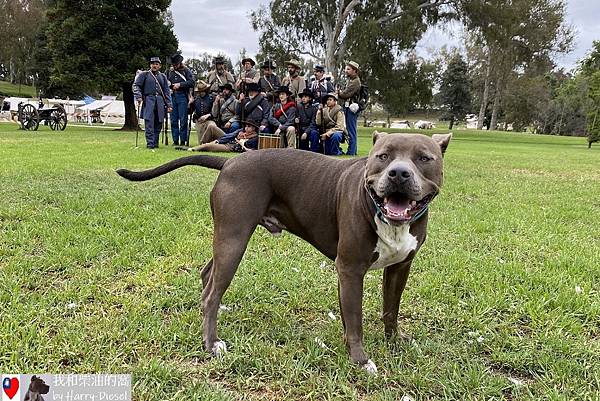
(247, 75)
(219, 76)
(349, 96)
(269, 82)
(224, 109)
(152, 88)
(294, 81)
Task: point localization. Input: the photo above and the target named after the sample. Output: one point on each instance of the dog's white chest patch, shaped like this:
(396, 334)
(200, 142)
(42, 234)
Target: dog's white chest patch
(394, 243)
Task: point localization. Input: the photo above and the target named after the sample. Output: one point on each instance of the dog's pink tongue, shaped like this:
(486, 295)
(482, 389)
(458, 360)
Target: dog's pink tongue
(396, 206)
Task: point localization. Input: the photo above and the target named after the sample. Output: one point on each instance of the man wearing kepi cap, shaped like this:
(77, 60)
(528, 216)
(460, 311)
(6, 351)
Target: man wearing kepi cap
(321, 85)
(151, 88)
(349, 96)
(182, 83)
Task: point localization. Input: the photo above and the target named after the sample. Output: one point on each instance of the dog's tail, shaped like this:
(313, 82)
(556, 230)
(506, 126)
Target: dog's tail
(213, 162)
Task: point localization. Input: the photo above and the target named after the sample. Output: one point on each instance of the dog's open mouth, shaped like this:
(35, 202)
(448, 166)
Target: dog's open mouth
(399, 207)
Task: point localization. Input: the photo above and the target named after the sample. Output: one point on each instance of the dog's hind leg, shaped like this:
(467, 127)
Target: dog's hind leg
(206, 273)
(229, 245)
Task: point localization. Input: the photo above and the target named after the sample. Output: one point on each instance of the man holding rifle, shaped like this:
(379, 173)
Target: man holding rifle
(151, 89)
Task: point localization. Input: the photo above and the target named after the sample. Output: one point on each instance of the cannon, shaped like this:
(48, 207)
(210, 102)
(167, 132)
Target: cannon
(30, 117)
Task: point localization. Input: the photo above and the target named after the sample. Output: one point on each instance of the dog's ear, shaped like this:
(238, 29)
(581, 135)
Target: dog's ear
(442, 140)
(377, 135)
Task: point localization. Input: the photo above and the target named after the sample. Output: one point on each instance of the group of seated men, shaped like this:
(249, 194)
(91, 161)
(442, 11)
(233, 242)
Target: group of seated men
(230, 113)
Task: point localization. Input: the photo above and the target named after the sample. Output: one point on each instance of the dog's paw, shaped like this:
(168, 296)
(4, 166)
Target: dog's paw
(219, 348)
(370, 367)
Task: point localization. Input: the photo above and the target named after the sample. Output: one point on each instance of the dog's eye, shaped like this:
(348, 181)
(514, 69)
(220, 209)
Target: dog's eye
(425, 159)
(382, 157)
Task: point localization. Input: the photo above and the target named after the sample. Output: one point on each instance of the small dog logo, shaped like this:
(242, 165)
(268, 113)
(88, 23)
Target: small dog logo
(36, 388)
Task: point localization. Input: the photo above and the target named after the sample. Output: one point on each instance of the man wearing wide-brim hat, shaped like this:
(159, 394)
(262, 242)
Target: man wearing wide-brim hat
(152, 88)
(269, 82)
(224, 109)
(254, 107)
(294, 80)
(203, 104)
(247, 75)
(331, 118)
(283, 117)
(349, 97)
(306, 121)
(219, 75)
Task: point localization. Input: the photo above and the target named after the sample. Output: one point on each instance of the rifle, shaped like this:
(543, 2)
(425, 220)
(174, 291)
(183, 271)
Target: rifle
(137, 126)
(322, 128)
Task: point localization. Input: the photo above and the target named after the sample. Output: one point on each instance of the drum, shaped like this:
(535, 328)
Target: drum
(268, 141)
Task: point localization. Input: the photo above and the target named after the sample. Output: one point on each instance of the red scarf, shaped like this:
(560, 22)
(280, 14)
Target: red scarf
(279, 111)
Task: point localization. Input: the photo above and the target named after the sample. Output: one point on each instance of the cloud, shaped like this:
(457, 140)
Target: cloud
(217, 26)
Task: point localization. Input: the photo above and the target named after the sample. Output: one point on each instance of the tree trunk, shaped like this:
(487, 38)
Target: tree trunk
(131, 118)
(451, 122)
(486, 92)
(494, 119)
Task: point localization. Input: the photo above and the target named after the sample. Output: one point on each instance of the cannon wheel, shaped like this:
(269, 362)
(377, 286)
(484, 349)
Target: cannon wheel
(58, 119)
(30, 118)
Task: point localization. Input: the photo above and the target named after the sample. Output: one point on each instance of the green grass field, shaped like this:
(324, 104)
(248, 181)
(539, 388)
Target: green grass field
(98, 274)
(7, 89)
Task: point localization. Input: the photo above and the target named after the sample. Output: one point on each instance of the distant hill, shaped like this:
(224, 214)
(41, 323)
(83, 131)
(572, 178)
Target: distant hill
(7, 89)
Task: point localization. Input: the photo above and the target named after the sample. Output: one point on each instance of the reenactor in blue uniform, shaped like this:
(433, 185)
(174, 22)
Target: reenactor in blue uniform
(182, 83)
(151, 87)
(321, 85)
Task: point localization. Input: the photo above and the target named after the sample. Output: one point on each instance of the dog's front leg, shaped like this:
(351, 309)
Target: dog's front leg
(350, 287)
(394, 281)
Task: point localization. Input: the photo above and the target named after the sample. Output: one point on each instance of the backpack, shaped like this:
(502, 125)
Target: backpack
(363, 97)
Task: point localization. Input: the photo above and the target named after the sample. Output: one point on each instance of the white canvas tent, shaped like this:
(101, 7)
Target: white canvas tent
(403, 124)
(89, 109)
(114, 112)
(471, 121)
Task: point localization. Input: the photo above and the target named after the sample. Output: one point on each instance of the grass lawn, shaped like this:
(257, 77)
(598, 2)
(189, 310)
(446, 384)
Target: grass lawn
(98, 274)
(8, 89)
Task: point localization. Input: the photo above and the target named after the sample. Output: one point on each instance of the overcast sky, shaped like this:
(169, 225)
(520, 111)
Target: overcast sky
(223, 26)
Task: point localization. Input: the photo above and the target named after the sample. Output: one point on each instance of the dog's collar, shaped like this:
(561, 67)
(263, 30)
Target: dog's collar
(381, 216)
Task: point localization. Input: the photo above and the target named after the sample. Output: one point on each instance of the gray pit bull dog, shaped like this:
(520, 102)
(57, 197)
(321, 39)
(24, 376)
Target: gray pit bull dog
(364, 213)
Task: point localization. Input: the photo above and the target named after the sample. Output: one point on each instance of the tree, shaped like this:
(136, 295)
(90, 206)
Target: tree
(18, 30)
(331, 30)
(513, 32)
(455, 89)
(378, 34)
(590, 71)
(98, 47)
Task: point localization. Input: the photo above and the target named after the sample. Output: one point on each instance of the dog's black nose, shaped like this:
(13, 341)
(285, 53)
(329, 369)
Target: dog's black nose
(403, 173)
